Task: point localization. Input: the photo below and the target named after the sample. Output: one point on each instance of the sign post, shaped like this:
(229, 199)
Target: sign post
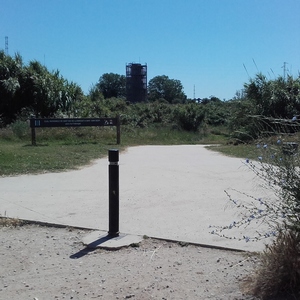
(76, 122)
(113, 157)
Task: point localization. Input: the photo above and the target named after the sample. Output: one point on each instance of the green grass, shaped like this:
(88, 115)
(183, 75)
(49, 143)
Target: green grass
(20, 158)
(166, 136)
(60, 149)
(242, 150)
(56, 150)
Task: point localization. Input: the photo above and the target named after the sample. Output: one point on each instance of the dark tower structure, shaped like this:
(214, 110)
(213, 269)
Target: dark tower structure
(136, 82)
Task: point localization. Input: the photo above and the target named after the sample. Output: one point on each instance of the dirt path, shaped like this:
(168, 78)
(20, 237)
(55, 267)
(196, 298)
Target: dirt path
(51, 263)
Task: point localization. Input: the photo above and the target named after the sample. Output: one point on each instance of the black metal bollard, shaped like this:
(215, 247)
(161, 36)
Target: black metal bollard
(113, 170)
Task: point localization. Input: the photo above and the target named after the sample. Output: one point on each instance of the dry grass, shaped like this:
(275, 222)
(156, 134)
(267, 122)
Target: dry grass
(10, 222)
(279, 270)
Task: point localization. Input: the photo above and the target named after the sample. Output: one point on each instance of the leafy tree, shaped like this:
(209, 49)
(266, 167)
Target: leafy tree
(71, 95)
(33, 89)
(11, 70)
(162, 87)
(211, 99)
(112, 85)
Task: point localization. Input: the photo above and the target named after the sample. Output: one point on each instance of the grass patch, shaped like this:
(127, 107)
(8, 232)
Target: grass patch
(60, 149)
(241, 151)
(17, 158)
(278, 271)
(56, 150)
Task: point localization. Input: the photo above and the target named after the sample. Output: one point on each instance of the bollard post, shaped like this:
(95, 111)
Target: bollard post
(113, 157)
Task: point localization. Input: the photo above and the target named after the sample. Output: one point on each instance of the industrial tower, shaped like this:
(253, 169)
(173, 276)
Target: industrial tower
(136, 82)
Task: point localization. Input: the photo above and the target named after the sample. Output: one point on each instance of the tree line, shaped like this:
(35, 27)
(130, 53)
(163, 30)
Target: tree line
(32, 89)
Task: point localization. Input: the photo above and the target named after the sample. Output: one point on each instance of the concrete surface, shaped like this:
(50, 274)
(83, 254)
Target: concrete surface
(172, 192)
(100, 239)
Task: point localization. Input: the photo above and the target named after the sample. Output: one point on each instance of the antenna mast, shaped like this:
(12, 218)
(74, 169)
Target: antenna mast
(6, 45)
(284, 69)
(194, 93)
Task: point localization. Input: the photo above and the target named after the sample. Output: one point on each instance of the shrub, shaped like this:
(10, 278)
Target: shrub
(279, 270)
(278, 166)
(189, 116)
(20, 128)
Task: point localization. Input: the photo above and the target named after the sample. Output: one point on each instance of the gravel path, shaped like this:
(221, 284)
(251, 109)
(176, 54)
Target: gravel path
(40, 262)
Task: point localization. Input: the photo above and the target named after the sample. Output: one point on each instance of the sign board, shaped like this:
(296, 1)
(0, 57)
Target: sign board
(74, 122)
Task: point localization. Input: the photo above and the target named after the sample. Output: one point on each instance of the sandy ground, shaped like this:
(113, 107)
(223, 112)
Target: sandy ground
(40, 262)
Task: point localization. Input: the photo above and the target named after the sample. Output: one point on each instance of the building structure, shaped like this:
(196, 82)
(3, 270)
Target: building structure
(136, 82)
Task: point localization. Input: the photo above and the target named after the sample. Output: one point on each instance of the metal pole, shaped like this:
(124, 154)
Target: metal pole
(118, 130)
(113, 170)
(33, 136)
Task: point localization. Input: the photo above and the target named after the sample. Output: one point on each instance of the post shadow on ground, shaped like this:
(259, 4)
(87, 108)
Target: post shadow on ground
(91, 246)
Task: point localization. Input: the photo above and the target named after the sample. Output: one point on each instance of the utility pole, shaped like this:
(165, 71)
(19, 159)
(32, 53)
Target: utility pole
(6, 45)
(194, 93)
(284, 70)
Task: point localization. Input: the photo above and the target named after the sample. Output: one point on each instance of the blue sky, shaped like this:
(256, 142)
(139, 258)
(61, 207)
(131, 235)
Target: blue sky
(203, 43)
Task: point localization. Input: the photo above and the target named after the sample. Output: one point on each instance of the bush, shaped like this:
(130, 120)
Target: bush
(279, 270)
(277, 165)
(189, 116)
(20, 128)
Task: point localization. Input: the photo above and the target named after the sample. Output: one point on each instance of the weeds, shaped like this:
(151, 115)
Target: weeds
(277, 165)
(10, 222)
(279, 269)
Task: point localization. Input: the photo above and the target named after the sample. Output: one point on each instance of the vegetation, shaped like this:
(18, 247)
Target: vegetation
(278, 274)
(11, 222)
(59, 149)
(275, 160)
(32, 89)
(112, 85)
(165, 89)
(272, 99)
(279, 168)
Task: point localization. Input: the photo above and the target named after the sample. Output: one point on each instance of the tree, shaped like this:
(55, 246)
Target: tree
(112, 85)
(11, 70)
(162, 87)
(33, 89)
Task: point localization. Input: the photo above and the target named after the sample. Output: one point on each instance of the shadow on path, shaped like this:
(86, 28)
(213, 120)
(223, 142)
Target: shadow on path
(91, 247)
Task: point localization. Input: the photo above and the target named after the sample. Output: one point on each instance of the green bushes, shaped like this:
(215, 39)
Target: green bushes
(20, 128)
(189, 116)
(273, 99)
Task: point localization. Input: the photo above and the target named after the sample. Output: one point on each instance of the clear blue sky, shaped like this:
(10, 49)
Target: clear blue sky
(202, 43)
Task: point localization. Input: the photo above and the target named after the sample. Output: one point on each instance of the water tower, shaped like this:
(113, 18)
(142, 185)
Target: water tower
(136, 82)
